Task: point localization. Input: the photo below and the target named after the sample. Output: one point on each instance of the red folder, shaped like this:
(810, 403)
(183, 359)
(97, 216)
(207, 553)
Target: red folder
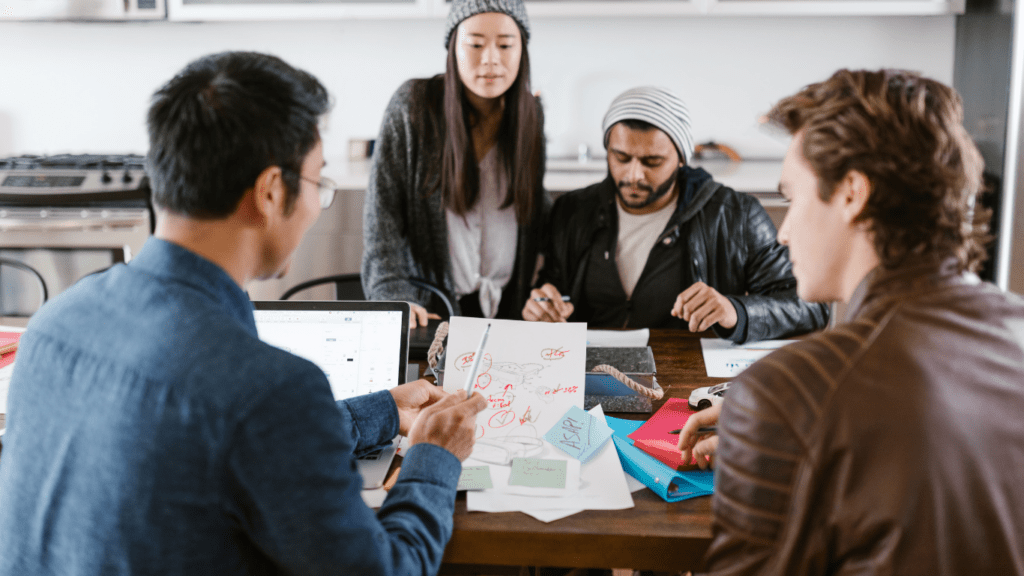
(654, 438)
(8, 347)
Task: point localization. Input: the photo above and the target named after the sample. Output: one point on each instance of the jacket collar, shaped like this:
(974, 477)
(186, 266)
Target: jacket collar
(697, 188)
(884, 286)
(175, 264)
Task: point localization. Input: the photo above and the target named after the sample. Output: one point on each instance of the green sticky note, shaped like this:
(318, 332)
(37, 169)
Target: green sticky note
(537, 473)
(475, 478)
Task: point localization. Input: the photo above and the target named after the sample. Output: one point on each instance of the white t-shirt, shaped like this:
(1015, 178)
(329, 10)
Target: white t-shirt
(637, 235)
(483, 244)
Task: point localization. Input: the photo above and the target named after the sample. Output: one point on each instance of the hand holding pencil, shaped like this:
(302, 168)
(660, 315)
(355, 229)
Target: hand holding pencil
(695, 443)
(547, 304)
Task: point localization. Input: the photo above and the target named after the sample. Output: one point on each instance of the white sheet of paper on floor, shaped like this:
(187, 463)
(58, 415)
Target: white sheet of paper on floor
(723, 359)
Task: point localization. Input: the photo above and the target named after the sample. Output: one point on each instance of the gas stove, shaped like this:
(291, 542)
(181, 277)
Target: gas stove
(74, 192)
(74, 180)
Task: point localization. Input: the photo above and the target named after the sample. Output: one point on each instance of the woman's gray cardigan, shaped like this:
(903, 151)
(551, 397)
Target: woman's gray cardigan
(405, 233)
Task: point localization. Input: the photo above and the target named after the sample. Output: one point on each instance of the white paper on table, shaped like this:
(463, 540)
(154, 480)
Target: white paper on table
(602, 487)
(551, 515)
(723, 359)
(531, 373)
(634, 484)
(618, 338)
(374, 498)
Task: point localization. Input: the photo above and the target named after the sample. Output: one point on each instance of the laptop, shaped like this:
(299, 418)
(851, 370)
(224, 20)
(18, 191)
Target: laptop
(361, 346)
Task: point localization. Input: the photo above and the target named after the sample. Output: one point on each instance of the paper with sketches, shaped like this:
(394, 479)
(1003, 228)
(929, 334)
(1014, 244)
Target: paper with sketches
(723, 359)
(618, 338)
(475, 478)
(578, 434)
(530, 373)
(602, 486)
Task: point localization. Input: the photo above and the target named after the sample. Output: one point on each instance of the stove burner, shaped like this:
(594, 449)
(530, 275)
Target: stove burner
(75, 162)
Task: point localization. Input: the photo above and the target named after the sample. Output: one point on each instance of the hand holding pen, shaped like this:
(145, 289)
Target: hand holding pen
(547, 304)
(694, 441)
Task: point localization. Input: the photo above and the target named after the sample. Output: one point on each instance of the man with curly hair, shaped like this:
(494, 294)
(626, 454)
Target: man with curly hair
(892, 444)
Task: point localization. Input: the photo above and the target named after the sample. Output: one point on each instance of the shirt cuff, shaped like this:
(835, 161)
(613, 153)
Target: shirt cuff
(737, 333)
(432, 464)
(375, 418)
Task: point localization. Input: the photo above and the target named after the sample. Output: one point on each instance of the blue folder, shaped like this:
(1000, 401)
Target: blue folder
(672, 485)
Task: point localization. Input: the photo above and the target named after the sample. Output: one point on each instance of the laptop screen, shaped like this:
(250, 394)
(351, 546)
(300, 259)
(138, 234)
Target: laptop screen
(361, 346)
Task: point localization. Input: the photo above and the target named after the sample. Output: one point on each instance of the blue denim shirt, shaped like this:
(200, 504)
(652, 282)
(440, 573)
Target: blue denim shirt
(151, 432)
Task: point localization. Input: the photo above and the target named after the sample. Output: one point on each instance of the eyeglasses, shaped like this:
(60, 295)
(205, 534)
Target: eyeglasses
(327, 188)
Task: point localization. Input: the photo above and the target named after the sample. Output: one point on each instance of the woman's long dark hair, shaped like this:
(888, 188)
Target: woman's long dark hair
(520, 142)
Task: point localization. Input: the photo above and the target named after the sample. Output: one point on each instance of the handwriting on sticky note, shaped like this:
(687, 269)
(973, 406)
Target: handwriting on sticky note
(538, 473)
(475, 478)
(578, 434)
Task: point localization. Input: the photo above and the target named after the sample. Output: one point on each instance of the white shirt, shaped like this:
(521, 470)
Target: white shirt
(637, 235)
(482, 244)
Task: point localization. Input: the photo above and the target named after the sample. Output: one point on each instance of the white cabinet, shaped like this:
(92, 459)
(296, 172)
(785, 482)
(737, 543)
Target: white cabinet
(834, 7)
(192, 10)
(198, 10)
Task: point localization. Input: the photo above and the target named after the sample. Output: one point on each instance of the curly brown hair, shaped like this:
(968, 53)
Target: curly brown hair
(905, 133)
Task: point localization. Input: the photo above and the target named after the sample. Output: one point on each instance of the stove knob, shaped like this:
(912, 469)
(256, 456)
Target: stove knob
(127, 177)
(105, 178)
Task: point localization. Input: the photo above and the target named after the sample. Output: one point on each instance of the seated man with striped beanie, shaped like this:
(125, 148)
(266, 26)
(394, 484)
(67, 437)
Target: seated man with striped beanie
(660, 244)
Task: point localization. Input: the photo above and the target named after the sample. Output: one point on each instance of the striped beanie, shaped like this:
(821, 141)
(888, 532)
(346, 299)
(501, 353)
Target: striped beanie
(656, 106)
(462, 9)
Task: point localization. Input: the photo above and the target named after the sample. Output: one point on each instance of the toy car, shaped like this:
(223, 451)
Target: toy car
(708, 396)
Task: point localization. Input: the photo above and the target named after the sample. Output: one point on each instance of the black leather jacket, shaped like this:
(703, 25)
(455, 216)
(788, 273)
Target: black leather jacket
(728, 242)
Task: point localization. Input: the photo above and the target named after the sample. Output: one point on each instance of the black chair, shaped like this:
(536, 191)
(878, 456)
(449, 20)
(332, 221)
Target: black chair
(346, 287)
(44, 293)
(350, 287)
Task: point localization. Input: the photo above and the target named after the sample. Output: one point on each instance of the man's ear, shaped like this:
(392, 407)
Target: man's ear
(855, 189)
(264, 203)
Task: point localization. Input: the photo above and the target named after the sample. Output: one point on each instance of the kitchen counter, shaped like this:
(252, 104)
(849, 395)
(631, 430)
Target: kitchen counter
(759, 177)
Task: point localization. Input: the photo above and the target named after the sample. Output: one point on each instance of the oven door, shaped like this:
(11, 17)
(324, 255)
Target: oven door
(62, 245)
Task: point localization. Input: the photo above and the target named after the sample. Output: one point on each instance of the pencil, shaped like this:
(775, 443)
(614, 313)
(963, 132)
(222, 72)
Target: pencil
(390, 482)
(471, 378)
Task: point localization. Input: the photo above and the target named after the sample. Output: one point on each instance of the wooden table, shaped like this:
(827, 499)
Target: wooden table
(654, 535)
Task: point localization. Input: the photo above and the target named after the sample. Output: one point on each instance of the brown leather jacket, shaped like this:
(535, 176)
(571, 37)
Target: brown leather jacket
(893, 444)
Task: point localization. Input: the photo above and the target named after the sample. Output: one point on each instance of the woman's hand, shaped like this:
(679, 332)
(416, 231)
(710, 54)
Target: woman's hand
(418, 316)
(700, 445)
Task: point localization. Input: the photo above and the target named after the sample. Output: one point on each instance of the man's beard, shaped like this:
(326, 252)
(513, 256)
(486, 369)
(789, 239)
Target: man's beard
(653, 194)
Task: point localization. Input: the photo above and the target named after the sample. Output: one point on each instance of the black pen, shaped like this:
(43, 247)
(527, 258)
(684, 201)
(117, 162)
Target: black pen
(546, 299)
(705, 429)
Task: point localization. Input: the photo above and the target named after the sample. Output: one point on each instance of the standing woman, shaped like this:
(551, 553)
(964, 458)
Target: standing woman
(456, 191)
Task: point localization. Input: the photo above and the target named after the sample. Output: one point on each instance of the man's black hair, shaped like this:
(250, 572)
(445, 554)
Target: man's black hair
(224, 119)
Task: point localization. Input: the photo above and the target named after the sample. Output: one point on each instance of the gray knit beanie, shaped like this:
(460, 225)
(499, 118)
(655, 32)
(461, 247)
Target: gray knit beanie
(462, 9)
(657, 106)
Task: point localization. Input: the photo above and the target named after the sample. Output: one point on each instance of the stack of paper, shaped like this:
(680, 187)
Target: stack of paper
(723, 359)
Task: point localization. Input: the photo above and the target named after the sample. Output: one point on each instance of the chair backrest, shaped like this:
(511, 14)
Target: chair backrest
(350, 287)
(44, 293)
(346, 287)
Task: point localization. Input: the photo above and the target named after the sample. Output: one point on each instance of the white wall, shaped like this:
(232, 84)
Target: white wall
(85, 87)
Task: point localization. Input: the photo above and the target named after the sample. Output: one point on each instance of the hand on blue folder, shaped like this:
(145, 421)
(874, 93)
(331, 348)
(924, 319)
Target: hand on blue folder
(670, 484)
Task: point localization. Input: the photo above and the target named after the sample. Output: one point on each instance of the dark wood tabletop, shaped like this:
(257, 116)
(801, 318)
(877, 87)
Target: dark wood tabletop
(653, 535)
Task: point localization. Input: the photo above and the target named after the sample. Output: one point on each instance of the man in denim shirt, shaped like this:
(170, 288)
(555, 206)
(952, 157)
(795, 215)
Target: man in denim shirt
(151, 432)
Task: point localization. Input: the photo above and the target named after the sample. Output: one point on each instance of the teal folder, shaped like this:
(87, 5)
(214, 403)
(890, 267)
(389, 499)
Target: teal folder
(671, 485)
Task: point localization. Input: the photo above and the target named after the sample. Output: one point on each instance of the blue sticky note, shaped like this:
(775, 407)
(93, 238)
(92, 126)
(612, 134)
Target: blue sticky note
(578, 434)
